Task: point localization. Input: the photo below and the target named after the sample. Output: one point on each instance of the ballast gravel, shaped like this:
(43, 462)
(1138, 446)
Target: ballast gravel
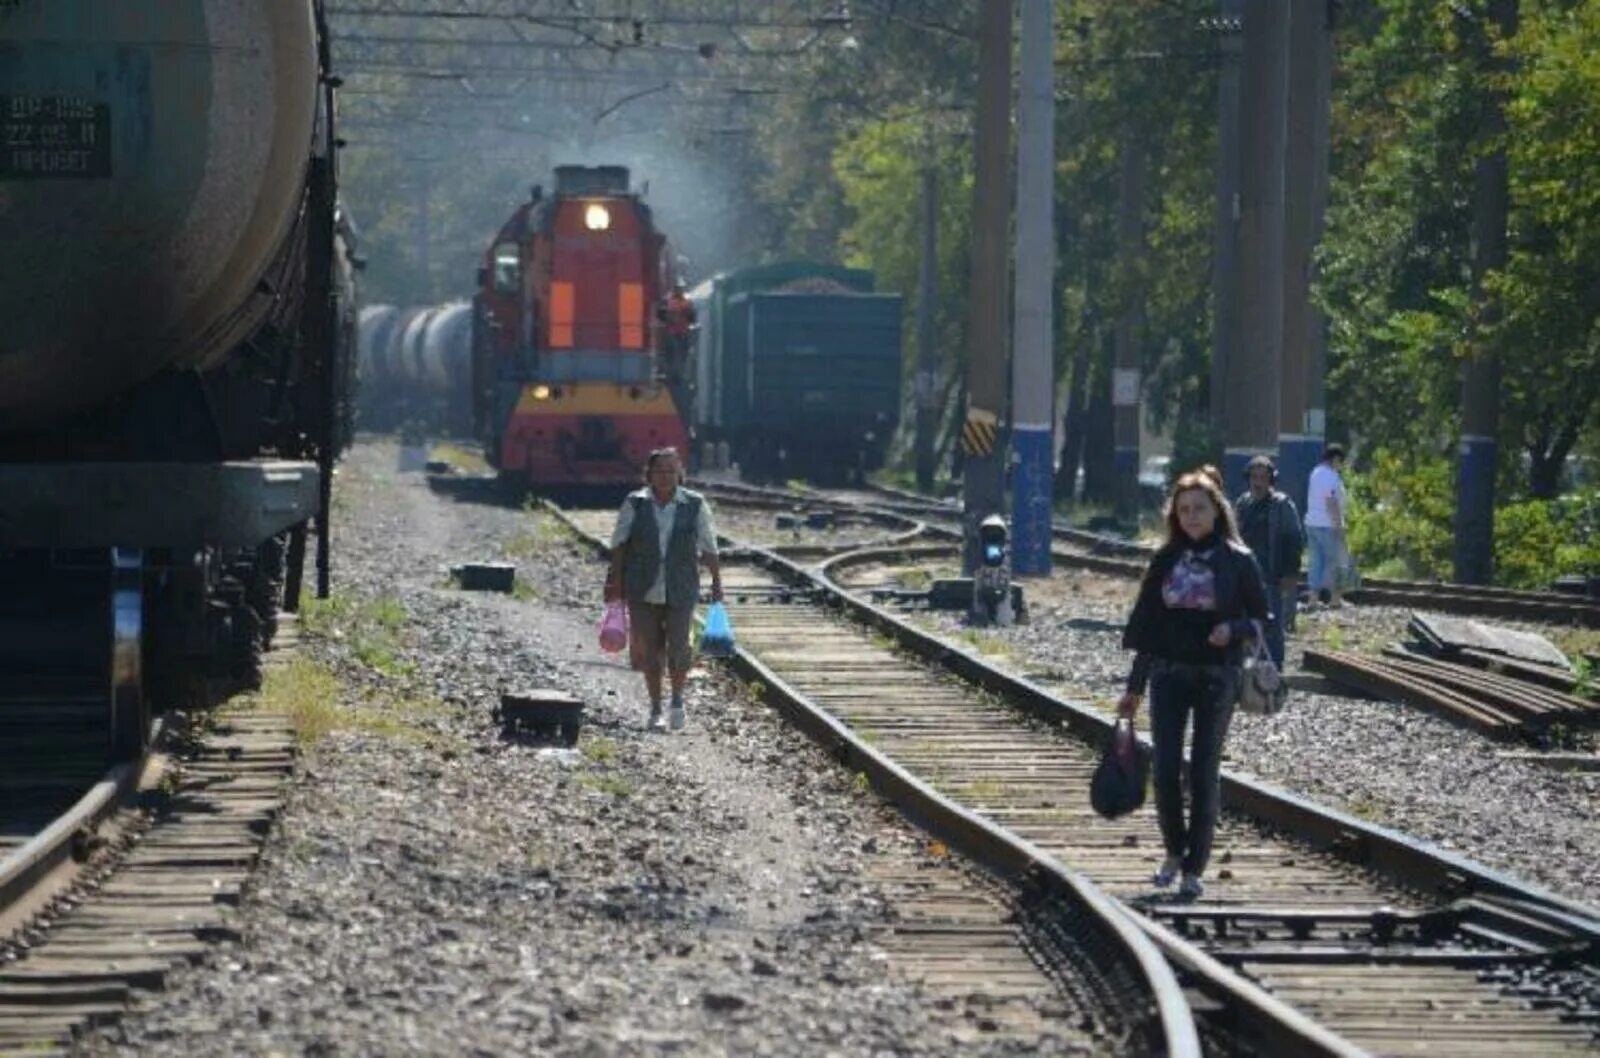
(434, 888)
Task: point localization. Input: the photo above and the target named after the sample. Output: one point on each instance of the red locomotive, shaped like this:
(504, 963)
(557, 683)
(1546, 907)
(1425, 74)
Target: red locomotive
(575, 378)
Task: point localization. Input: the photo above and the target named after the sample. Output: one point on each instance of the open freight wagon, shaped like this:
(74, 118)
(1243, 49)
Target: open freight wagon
(797, 371)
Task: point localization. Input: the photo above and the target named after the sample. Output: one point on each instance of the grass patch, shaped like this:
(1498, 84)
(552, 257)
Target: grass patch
(387, 612)
(1575, 642)
(983, 790)
(321, 617)
(522, 591)
(1584, 678)
(615, 785)
(916, 579)
(1368, 809)
(405, 719)
(600, 749)
(463, 459)
(371, 627)
(989, 646)
(545, 535)
(307, 691)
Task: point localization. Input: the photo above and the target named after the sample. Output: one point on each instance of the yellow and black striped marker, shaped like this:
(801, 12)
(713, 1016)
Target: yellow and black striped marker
(979, 432)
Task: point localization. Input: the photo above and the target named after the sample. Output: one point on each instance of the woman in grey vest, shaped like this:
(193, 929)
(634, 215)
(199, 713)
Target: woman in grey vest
(663, 531)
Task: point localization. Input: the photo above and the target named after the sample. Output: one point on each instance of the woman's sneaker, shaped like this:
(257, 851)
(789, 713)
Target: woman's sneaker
(1192, 888)
(1167, 874)
(675, 718)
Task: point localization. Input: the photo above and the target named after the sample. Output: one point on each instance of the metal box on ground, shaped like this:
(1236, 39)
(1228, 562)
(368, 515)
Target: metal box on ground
(543, 712)
(485, 576)
(946, 593)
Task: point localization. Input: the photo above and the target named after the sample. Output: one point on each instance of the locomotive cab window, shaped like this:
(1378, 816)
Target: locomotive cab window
(507, 267)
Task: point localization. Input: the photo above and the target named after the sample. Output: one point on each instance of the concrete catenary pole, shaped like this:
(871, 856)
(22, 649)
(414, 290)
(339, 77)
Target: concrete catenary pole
(982, 477)
(1300, 433)
(1480, 373)
(927, 299)
(1225, 262)
(1126, 380)
(1251, 376)
(1317, 366)
(1033, 333)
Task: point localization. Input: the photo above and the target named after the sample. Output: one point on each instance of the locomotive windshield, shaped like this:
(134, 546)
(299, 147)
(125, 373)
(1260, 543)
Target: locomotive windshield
(507, 267)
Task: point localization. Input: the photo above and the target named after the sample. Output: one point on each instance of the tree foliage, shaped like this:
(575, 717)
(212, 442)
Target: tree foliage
(1414, 84)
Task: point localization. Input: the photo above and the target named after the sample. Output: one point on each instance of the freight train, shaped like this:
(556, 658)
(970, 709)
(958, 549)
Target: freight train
(416, 366)
(572, 384)
(175, 287)
(797, 371)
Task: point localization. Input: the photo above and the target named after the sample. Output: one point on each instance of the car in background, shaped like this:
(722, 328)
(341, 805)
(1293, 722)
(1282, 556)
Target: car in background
(1153, 480)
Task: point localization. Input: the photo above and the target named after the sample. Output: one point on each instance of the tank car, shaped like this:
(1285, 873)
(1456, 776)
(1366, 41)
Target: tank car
(571, 382)
(445, 369)
(176, 294)
(416, 369)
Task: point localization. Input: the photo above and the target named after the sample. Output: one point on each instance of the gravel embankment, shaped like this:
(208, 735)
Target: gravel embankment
(1390, 764)
(435, 889)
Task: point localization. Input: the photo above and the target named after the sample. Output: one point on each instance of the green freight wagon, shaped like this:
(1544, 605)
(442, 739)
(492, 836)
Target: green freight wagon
(797, 371)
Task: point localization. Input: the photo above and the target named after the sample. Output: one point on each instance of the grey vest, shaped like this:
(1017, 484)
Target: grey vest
(644, 551)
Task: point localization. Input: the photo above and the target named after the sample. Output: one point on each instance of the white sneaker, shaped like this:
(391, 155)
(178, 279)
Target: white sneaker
(1192, 888)
(1168, 873)
(675, 718)
(654, 723)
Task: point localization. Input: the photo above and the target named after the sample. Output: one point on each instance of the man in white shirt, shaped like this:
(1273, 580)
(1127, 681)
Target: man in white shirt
(661, 531)
(1325, 524)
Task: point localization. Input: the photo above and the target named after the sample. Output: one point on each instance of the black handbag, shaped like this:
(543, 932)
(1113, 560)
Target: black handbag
(1120, 778)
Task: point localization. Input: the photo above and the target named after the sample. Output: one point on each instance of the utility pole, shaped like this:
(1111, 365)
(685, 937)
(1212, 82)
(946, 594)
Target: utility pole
(1126, 380)
(1316, 427)
(983, 492)
(1301, 428)
(928, 293)
(1225, 263)
(1251, 378)
(1480, 373)
(1032, 359)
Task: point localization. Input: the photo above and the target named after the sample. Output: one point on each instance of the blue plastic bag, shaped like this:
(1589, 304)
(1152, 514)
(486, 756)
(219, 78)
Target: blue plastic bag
(717, 639)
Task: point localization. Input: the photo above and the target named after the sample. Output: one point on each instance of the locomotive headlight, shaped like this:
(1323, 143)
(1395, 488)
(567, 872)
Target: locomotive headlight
(541, 392)
(597, 217)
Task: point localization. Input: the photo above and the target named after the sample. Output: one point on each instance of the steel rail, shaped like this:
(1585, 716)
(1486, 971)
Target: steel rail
(39, 857)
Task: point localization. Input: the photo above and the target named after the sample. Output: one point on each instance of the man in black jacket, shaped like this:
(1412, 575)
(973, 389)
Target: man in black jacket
(1270, 525)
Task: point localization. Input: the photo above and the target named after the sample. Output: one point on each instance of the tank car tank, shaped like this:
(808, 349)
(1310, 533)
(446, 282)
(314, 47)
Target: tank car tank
(175, 303)
(154, 168)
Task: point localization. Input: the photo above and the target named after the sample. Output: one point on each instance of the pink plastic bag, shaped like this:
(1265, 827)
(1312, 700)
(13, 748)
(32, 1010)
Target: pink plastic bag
(614, 628)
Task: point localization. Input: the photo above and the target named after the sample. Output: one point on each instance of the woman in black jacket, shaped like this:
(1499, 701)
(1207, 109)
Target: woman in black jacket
(1200, 599)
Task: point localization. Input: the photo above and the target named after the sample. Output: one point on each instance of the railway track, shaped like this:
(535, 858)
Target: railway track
(110, 877)
(1117, 557)
(1036, 939)
(1319, 934)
